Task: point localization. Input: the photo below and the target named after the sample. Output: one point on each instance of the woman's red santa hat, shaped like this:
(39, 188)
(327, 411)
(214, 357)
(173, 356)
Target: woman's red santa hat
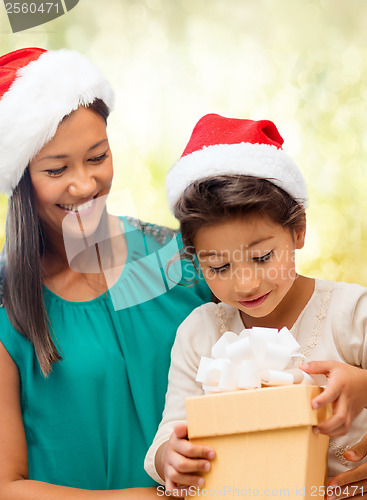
(223, 146)
(38, 88)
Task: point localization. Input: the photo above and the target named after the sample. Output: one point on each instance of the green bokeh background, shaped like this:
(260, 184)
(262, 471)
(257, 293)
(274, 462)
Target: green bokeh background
(300, 63)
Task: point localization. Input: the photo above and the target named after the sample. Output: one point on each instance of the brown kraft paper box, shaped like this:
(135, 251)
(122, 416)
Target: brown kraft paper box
(264, 442)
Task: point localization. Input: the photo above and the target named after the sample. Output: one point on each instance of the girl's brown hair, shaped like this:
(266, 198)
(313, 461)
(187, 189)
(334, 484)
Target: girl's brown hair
(25, 244)
(209, 200)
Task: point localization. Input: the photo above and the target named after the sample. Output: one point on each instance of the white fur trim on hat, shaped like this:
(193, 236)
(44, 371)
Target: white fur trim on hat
(258, 160)
(44, 92)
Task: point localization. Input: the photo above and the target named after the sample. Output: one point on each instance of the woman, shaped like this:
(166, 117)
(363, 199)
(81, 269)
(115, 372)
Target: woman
(88, 314)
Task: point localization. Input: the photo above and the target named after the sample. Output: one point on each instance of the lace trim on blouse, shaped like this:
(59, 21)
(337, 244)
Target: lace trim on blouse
(159, 233)
(339, 451)
(312, 341)
(221, 318)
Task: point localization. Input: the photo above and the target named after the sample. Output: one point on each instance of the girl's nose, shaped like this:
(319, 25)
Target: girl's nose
(83, 184)
(246, 280)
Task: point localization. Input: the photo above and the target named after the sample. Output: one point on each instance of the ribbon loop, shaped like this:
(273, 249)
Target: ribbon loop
(255, 357)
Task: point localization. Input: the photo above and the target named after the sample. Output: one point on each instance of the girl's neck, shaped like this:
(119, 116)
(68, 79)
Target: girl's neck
(288, 311)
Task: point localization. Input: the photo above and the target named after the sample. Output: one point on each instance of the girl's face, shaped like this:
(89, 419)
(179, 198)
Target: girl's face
(249, 263)
(73, 171)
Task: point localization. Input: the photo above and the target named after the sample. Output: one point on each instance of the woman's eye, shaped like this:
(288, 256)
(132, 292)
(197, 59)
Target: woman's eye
(97, 159)
(263, 258)
(55, 172)
(218, 270)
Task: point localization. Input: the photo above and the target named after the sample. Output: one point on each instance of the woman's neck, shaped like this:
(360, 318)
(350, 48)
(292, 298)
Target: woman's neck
(82, 278)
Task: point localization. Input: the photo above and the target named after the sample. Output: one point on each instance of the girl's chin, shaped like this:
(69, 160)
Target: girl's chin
(257, 312)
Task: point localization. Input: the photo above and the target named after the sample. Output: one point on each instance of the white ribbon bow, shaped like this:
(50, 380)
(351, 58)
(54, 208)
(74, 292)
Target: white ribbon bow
(255, 357)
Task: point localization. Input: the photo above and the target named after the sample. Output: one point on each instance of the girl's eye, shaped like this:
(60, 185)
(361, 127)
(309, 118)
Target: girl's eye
(55, 172)
(98, 159)
(218, 270)
(263, 258)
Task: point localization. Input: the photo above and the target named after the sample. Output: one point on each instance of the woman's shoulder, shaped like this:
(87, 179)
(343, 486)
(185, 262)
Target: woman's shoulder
(160, 234)
(145, 239)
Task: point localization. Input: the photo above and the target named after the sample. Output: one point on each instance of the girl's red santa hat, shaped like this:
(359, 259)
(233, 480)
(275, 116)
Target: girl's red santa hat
(38, 88)
(222, 146)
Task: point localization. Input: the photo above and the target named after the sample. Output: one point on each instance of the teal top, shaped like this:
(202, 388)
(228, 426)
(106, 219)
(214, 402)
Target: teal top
(90, 423)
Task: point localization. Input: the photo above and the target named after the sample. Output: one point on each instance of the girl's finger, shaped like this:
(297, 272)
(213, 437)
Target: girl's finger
(172, 490)
(350, 477)
(180, 430)
(357, 451)
(329, 395)
(185, 465)
(190, 450)
(334, 428)
(174, 478)
(339, 423)
(317, 367)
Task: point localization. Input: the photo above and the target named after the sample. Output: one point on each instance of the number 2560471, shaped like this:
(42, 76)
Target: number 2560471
(31, 8)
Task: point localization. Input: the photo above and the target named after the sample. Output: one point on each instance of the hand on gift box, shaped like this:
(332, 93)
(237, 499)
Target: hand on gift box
(346, 390)
(183, 463)
(353, 483)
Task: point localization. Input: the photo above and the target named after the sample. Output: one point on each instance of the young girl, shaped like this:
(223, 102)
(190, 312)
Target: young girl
(241, 205)
(87, 315)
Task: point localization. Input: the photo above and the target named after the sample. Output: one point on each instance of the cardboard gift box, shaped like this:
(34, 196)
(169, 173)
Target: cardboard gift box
(264, 442)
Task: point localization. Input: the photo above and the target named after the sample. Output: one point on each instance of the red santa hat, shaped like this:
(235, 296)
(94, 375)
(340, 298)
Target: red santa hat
(222, 146)
(38, 88)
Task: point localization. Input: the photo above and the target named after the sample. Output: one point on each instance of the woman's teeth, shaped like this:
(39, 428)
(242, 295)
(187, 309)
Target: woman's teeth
(77, 208)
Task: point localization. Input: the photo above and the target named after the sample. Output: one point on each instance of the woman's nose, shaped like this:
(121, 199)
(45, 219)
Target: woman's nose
(82, 184)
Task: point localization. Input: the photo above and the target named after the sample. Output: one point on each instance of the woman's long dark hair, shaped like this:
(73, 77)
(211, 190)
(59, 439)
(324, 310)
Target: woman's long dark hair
(24, 247)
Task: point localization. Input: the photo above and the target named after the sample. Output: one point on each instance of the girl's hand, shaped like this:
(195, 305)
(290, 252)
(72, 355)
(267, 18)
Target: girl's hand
(353, 483)
(184, 462)
(346, 390)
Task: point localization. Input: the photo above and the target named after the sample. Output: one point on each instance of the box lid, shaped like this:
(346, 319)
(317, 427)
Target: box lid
(253, 410)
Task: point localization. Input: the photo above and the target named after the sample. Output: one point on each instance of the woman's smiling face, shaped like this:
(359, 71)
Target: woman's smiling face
(249, 262)
(72, 172)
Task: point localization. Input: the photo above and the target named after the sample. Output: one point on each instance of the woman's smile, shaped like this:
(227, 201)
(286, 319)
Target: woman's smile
(81, 207)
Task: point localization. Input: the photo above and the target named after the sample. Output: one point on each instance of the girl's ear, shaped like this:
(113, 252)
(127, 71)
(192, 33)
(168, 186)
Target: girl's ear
(300, 238)
(300, 234)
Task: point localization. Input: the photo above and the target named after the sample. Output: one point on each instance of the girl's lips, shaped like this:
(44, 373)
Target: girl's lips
(255, 302)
